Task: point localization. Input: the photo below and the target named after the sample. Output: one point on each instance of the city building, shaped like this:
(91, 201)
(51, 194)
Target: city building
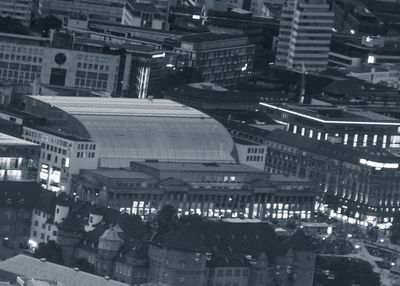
(223, 59)
(354, 15)
(376, 74)
(19, 159)
(20, 10)
(201, 252)
(13, 120)
(113, 244)
(304, 35)
(147, 16)
(40, 269)
(211, 96)
(206, 189)
(358, 186)
(87, 132)
(5, 93)
(348, 126)
(24, 59)
(348, 51)
(119, 11)
(17, 201)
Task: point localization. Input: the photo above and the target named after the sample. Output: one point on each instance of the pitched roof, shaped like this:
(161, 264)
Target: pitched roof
(27, 266)
(217, 237)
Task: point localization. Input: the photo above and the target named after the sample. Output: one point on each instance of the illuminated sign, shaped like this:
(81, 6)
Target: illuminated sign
(158, 56)
(378, 165)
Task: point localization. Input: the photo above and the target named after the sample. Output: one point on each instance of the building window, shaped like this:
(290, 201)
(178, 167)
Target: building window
(35, 233)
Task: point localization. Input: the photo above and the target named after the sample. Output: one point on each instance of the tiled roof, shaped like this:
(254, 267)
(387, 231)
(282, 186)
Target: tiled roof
(221, 238)
(35, 268)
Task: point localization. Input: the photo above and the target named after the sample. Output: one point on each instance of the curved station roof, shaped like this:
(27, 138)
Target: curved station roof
(129, 129)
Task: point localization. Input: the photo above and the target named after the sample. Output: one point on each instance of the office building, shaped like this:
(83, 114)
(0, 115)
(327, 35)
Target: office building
(24, 59)
(304, 35)
(118, 11)
(86, 132)
(356, 186)
(348, 126)
(223, 59)
(20, 10)
(201, 252)
(208, 189)
(346, 51)
(18, 159)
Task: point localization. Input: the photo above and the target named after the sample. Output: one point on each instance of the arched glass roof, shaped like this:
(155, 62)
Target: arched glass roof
(139, 129)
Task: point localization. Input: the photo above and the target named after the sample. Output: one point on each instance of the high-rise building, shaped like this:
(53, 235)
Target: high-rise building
(19, 10)
(305, 35)
(223, 59)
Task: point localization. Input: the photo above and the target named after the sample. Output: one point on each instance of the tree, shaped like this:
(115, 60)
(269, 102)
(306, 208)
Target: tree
(12, 26)
(166, 218)
(84, 265)
(44, 25)
(51, 251)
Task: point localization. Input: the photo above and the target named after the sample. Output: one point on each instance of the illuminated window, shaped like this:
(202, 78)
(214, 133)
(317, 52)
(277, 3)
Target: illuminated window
(295, 129)
(311, 133)
(375, 139)
(346, 138)
(355, 140)
(303, 131)
(319, 136)
(365, 140)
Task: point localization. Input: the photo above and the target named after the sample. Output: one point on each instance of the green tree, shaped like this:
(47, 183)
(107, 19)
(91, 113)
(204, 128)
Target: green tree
(166, 217)
(12, 26)
(84, 265)
(51, 251)
(44, 25)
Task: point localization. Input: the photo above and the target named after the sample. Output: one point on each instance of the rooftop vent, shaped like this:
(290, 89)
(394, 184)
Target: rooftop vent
(43, 259)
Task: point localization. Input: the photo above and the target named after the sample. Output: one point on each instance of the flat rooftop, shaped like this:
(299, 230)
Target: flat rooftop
(10, 140)
(328, 149)
(334, 114)
(199, 167)
(112, 173)
(208, 37)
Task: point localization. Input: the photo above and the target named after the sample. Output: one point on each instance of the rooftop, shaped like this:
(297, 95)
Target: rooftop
(139, 129)
(207, 37)
(10, 140)
(334, 114)
(198, 167)
(35, 268)
(328, 149)
(119, 173)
